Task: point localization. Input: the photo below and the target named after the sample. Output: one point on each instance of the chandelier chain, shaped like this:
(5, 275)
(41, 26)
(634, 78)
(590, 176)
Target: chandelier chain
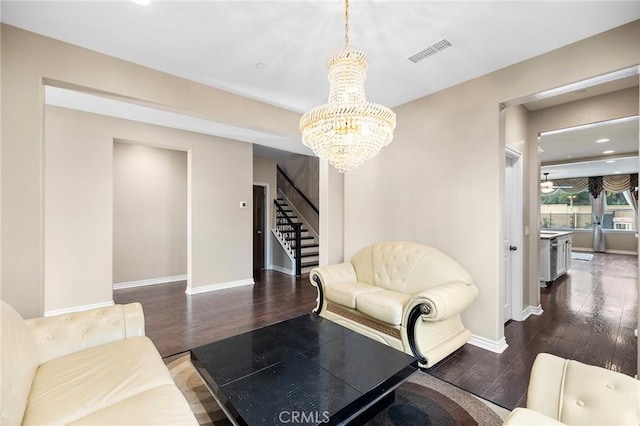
(346, 22)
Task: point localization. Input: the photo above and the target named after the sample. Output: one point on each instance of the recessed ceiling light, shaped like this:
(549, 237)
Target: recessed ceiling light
(608, 151)
(616, 173)
(603, 140)
(610, 161)
(142, 2)
(569, 156)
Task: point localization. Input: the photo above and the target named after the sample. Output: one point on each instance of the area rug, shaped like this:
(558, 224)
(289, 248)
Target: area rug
(581, 256)
(420, 400)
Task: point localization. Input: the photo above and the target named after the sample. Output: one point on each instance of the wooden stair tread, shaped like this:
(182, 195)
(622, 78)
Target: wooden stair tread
(315, 253)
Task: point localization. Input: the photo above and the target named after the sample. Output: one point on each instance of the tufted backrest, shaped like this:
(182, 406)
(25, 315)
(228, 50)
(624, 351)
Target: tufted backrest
(64, 334)
(18, 364)
(406, 267)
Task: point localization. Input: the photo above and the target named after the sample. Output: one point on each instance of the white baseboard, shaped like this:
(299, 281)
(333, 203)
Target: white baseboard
(490, 345)
(283, 270)
(590, 249)
(151, 281)
(531, 310)
(220, 286)
(77, 308)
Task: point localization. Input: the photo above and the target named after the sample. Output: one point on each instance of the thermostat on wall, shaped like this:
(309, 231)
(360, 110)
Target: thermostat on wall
(243, 204)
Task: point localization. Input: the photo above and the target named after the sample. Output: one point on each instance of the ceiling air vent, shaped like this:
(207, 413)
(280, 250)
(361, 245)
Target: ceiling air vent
(431, 50)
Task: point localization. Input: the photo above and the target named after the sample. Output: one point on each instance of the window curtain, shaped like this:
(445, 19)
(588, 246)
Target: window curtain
(616, 183)
(632, 201)
(574, 185)
(633, 188)
(598, 204)
(631, 195)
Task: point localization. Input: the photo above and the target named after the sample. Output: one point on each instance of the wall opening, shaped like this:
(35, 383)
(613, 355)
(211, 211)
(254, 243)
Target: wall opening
(149, 215)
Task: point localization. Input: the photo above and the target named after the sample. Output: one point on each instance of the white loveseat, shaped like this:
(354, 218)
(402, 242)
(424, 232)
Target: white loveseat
(404, 294)
(567, 392)
(92, 367)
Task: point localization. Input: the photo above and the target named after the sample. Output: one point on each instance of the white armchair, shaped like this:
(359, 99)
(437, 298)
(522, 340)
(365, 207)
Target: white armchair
(567, 392)
(404, 294)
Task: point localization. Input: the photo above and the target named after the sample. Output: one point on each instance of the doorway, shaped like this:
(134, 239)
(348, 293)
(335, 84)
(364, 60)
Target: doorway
(258, 228)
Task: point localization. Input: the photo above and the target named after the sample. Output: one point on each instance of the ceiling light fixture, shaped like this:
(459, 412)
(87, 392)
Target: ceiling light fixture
(610, 161)
(142, 2)
(603, 140)
(546, 186)
(608, 152)
(347, 130)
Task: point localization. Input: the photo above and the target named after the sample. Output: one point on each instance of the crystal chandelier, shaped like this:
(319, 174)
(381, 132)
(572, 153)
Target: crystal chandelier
(347, 130)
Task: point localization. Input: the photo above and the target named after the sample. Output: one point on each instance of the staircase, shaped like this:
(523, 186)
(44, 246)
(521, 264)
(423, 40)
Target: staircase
(295, 237)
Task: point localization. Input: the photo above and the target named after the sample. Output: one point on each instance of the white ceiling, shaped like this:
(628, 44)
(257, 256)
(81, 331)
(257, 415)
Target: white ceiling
(219, 43)
(575, 153)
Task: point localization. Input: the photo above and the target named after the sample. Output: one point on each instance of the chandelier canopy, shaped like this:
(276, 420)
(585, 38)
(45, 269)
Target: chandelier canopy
(347, 130)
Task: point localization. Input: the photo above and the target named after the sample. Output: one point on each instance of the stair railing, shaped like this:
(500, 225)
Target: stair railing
(290, 230)
(303, 204)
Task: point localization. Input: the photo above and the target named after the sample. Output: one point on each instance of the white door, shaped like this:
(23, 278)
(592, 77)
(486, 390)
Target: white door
(508, 258)
(513, 238)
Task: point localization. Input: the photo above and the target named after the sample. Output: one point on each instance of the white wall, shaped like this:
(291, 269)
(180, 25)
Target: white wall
(149, 212)
(28, 60)
(80, 155)
(448, 146)
(79, 213)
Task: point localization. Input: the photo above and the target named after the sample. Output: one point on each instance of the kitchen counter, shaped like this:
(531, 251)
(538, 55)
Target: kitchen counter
(555, 254)
(548, 235)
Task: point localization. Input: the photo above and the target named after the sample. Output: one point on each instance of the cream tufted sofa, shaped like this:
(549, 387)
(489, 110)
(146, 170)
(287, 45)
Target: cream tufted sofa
(566, 392)
(93, 367)
(404, 294)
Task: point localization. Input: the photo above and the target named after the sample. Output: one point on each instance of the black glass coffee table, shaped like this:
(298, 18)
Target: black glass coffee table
(307, 370)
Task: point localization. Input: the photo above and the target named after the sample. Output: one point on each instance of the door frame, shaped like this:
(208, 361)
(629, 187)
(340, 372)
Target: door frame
(514, 216)
(266, 236)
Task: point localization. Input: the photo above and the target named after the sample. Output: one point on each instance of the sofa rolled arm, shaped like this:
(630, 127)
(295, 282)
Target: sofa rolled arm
(443, 301)
(526, 417)
(322, 276)
(64, 334)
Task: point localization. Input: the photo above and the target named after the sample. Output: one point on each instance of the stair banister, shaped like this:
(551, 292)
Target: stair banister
(293, 185)
(294, 228)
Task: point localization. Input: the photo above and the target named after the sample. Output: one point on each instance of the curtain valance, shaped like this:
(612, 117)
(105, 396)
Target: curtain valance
(595, 184)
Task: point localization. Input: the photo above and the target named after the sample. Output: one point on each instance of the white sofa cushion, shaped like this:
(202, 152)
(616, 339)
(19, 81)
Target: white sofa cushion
(69, 388)
(162, 405)
(386, 306)
(345, 293)
(19, 364)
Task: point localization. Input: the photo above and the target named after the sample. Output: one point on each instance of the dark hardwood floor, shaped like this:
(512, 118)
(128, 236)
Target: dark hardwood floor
(589, 315)
(177, 322)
